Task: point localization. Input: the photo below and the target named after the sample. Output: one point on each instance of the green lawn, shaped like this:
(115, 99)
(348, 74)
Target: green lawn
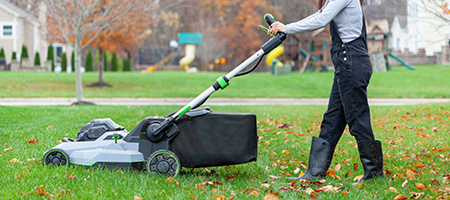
(425, 82)
(415, 142)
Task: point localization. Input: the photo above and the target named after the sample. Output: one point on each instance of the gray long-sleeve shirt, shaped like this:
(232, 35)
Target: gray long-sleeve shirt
(347, 14)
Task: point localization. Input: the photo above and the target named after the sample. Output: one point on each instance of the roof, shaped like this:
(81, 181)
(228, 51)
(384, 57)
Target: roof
(17, 11)
(378, 26)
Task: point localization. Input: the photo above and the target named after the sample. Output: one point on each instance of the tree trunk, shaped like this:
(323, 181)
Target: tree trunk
(101, 82)
(78, 82)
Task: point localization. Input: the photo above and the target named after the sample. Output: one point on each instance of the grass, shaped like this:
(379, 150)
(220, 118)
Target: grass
(425, 82)
(415, 142)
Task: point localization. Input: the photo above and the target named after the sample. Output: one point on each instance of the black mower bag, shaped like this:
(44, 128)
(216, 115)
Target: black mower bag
(209, 139)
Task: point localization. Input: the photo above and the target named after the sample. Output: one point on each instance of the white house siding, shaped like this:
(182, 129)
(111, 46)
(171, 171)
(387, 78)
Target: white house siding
(424, 29)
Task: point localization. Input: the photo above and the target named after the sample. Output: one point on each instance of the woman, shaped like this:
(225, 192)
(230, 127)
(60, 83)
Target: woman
(348, 99)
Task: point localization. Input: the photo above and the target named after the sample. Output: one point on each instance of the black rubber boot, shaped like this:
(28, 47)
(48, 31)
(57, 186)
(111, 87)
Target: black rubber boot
(371, 156)
(320, 157)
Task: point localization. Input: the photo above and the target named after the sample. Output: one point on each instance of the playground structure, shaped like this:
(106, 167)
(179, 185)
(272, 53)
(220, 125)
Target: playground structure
(318, 56)
(189, 40)
(378, 44)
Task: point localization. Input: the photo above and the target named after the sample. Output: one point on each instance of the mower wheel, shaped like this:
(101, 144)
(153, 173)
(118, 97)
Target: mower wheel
(55, 157)
(164, 162)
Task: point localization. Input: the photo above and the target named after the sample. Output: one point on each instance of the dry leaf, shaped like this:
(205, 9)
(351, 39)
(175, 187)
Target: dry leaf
(218, 197)
(355, 165)
(416, 195)
(33, 141)
(192, 196)
(170, 180)
(400, 197)
(15, 160)
(410, 173)
(357, 178)
(254, 193)
(296, 171)
(329, 188)
(270, 197)
(421, 186)
(267, 143)
(360, 185)
(20, 176)
(309, 191)
(404, 183)
(286, 152)
(8, 149)
(337, 167)
(265, 185)
(137, 198)
(392, 189)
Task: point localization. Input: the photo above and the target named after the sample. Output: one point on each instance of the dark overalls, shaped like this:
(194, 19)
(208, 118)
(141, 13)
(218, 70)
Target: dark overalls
(348, 99)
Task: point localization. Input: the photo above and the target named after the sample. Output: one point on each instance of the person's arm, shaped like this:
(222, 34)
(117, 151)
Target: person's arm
(315, 21)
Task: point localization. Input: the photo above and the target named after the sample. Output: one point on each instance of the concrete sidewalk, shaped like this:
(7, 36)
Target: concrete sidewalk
(211, 101)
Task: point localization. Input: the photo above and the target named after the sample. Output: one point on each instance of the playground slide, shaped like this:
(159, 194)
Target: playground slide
(401, 61)
(274, 54)
(189, 57)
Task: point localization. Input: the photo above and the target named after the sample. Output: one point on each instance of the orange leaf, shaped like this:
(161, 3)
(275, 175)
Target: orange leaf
(286, 152)
(410, 173)
(446, 148)
(170, 180)
(267, 143)
(8, 149)
(355, 165)
(192, 196)
(33, 141)
(218, 197)
(421, 186)
(360, 185)
(254, 193)
(15, 160)
(20, 176)
(270, 197)
(357, 178)
(400, 197)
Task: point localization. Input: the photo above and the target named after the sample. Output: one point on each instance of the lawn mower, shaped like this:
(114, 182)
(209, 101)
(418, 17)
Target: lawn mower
(191, 137)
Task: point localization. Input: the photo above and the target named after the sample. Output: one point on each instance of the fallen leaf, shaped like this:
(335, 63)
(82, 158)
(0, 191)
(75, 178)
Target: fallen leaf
(415, 195)
(265, 185)
(360, 185)
(137, 198)
(270, 197)
(253, 193)
(218, 197)
(192, 196)
(337, 167)
(400, 197)
(355, 165)
(8, 149)
(357, 178)
(20, 176)
(421, 186)
(15, 160)
(296, 171)
(329, 188)
(170, 180)
(404, 183)
(309, 191)
(286, 152)
(410, 173)
(70, 176)
(392, 189)
(267, 143)
(447, 188)
(33, 141)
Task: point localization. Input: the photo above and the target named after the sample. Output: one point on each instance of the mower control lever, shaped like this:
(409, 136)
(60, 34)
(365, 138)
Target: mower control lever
(163, 126)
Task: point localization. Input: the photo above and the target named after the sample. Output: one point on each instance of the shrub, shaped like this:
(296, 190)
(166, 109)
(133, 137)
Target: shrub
(2, 53)
(72, 61)
(89, 64)
(14, 56)
(105, 61)
(126, 65)
(24, 52)
(50, 56)
(114, 63)
(64, 62)
(37, 59)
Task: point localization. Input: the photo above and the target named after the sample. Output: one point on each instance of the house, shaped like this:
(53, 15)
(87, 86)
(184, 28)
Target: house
(17, 28)
(428, 28)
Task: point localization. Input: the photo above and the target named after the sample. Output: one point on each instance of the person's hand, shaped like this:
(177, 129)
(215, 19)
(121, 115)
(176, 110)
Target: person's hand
(277, 27)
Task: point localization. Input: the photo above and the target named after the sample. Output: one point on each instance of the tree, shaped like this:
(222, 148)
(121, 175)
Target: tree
(88, 64)
(79, 22)
(37, 59)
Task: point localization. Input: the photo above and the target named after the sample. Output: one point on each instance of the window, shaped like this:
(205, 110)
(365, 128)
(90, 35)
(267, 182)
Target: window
(7, 30)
